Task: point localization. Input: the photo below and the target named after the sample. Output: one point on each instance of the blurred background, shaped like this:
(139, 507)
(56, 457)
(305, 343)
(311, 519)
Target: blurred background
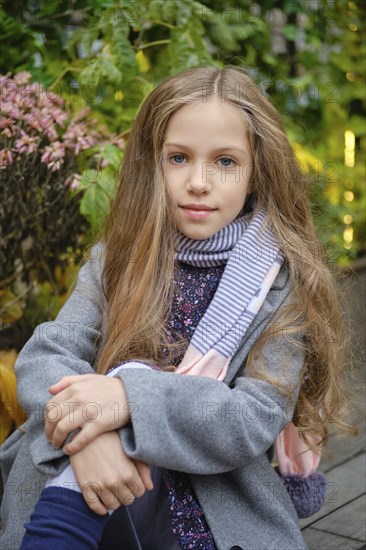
(73, 74)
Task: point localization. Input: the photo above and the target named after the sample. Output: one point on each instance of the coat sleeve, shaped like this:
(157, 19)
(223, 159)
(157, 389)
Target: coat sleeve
(62, 347)
(199, 425)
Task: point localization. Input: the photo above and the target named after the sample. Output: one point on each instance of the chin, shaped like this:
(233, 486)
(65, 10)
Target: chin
(198, 235)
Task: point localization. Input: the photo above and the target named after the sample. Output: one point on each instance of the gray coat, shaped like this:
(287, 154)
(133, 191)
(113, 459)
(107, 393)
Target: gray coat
(221, 434)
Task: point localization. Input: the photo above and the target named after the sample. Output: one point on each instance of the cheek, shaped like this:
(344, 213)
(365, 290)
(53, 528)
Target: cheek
(240, 192)
(173, 178)
(169, 180)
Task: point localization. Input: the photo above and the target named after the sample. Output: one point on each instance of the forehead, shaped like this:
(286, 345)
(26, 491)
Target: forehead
(203, 120)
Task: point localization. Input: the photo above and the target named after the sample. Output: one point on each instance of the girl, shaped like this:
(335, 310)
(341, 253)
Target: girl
(208, 307)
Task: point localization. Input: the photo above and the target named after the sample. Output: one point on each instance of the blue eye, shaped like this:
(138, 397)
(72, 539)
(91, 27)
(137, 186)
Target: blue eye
(175, 158)
(227, 161)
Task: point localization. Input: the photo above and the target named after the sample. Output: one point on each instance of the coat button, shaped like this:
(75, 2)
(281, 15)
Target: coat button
(236, 548)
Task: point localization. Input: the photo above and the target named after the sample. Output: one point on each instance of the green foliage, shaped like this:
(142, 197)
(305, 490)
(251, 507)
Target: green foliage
(20, 41)
(307, 57)
(98, 186)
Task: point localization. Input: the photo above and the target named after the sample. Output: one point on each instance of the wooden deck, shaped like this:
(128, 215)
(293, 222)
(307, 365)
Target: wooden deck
(341, 523)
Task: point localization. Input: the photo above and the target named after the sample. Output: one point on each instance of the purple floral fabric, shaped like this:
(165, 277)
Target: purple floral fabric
(193, 291)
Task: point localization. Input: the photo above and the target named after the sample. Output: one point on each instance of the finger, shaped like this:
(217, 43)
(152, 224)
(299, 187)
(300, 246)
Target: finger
(91, 497)
(87, 434)
(52, 415)
(55, 410)
(145, 474)
(67, 381)
(122, 494)
(132, 480)
(65, 427)
(109, 499)
(125, 495)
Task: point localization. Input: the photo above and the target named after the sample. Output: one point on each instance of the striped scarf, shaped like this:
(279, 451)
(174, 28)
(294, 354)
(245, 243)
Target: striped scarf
(253, 262)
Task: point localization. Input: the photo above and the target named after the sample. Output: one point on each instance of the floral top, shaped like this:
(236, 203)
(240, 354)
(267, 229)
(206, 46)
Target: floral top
(194, 288)
(193, 291)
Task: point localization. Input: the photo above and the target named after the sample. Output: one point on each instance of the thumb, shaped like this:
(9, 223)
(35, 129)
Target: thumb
(145, 474)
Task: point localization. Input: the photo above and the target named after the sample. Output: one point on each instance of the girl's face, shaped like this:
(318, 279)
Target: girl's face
(207, 166)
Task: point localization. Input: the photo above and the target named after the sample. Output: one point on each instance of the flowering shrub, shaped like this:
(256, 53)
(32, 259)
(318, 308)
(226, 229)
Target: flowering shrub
(34, 121)
(44, 149)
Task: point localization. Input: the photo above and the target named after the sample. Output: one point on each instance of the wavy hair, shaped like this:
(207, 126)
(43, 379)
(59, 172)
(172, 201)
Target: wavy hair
(139, 249)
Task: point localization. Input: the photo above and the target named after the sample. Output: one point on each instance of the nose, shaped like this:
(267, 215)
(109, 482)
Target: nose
(199, 178)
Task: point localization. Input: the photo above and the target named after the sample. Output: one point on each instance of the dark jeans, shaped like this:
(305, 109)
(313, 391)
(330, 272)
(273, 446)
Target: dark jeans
(62, 520)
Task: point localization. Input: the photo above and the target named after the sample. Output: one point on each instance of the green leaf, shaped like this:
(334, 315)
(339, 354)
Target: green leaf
(290, 32)
(128, 114)
(112, 154)
(134, 13)
(123, 52)
(184, 12)
(202, 12)
(170, 11)
(222, 36)
(155, 10)
(100, 189)
(99, 71)
(89, 177)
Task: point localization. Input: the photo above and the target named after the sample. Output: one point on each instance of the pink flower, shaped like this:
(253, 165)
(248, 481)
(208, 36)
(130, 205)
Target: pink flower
(4, 122)
(22, 78)
(73, 181)
(32, 120)
(11, 110)
(46, 121)
(119, 142)
(78, 138)
(26, 144)
(56, 99)
(80, 115)
(5, 158)
(26, 103)
(9, 89)
(7, 132)
(59, 116)
(53, 156)
(55, 165)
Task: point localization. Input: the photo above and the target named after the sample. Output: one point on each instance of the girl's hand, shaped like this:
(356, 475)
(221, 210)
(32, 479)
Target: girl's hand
(93, 403)
(107, 476)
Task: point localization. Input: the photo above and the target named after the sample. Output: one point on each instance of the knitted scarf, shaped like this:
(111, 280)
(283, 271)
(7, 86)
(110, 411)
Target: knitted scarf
(253, 261)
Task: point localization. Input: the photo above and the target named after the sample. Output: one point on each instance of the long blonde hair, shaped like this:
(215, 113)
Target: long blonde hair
(139, 247)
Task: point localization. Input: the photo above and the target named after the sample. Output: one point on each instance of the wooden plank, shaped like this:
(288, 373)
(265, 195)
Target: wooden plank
(320, 540)
(344, 483)
(349, 447)
(348, 521)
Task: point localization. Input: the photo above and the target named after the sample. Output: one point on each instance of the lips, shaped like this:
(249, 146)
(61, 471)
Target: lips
(197, 207)
(197, 211)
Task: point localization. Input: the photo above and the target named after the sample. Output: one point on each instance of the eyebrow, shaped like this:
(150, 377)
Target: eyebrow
(217, 150)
